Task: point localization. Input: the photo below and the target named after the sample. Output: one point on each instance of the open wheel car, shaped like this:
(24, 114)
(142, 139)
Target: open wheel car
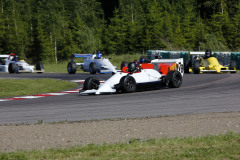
(12, 64)
(160, 72)
(92, 63)
(208, 64)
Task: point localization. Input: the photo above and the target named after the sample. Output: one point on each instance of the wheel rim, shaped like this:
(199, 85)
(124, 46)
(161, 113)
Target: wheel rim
(177, 80)
(94, 85)
(130, 84)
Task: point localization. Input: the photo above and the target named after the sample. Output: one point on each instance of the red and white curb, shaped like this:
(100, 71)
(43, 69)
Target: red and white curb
(41, 95)
(47, 94)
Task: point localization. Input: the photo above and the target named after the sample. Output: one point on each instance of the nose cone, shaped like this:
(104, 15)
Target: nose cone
(105, 88)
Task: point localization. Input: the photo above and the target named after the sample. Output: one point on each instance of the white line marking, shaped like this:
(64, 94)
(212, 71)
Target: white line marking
(56, 94)
(2, 100)
(29, 97)
(69, 91)
(82, 81)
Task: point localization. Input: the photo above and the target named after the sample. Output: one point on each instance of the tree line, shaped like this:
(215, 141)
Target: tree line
(51, 30)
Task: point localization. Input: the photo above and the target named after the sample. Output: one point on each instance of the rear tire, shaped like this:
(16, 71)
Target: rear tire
(196, 66)
(128, 84)
(91, 83)
(187, 66)
(72, 68)
(174, 79)
(39, 67)
(12, 68)
(93, 68)
(233, 65)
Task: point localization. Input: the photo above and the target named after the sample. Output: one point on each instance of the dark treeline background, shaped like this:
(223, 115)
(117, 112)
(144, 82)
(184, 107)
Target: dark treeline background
(50, 30)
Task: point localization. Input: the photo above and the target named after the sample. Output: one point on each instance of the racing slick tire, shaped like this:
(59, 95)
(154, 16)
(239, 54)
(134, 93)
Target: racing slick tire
(196, 65)
(91, 83)
(93, 68)
(39, 67)
(187, 65)
(124, 64)
(128, 84)
(12, 68)
(174, 79)
(233, 65)
(72, 68)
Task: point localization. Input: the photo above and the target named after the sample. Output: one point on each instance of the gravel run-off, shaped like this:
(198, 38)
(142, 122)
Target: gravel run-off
(68, 134)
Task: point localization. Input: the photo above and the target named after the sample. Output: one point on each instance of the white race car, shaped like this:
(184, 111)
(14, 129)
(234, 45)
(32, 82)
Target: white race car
(160, 72)
(12, 64)
(92, 63)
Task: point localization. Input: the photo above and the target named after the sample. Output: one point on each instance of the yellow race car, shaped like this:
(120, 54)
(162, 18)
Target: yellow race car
(208, 64)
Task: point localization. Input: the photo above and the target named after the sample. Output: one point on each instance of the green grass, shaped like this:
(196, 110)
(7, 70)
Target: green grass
(17, 87)
(116, 60)
(210, 147)
(60, 67)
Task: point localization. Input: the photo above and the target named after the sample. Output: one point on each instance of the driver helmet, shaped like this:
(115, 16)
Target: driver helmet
(99, 55)
(132, 67)
(142, 60)
(208, 53)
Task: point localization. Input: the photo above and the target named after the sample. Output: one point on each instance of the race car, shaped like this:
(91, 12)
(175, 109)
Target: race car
(158, 73)
(12, 64)
(93, 63)
(207, 64)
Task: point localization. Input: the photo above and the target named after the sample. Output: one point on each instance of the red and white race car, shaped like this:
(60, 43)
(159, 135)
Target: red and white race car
(160, 72)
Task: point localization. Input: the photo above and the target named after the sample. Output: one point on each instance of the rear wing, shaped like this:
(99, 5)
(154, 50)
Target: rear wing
(84, 56)
(80, 55)
(4, 56)
(177, 64)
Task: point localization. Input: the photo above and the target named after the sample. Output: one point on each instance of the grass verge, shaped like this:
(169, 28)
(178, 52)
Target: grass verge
(17, 87)
(225, 146)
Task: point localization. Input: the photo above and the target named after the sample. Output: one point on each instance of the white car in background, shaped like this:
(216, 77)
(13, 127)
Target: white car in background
(12, 64)
(91, 63)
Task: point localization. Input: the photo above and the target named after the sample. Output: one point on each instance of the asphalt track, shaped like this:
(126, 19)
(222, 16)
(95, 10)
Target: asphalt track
(203, 93)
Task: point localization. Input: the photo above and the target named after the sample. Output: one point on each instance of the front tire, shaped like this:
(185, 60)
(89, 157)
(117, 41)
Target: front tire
(196, 65)
(174, 79)
(91, 83)
(39, 67)
(128, 84)
(187, 66)
(72, 68)
(93, 68)
(12, 68)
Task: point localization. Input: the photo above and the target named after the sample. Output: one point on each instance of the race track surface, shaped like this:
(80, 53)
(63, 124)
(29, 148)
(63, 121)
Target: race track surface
(203, 93)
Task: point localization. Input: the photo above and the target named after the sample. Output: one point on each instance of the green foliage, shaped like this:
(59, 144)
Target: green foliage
(51, 30)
